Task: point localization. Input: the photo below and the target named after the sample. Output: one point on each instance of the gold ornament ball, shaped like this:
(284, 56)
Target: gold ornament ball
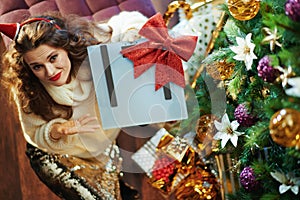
(285, 127)
(243, 9)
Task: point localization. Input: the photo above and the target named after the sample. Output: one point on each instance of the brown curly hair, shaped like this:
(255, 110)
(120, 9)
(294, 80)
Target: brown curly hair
(74, 35)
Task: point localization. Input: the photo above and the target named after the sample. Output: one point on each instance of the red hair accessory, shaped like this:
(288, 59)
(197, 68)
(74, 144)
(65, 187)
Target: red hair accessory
(11, 30)
(163, 51)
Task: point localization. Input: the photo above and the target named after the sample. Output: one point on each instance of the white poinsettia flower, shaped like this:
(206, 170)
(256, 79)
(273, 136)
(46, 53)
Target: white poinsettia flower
(227, 131)
(288, 182)
(244, 50)
(295, 89)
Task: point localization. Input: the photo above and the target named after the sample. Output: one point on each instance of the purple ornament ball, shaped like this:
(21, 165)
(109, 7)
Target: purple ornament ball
(243, 115)
(292, 9)
(266, 71)
(248, 179)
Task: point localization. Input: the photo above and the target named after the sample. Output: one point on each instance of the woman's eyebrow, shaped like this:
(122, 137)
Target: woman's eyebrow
(51, 54)
(48, 57)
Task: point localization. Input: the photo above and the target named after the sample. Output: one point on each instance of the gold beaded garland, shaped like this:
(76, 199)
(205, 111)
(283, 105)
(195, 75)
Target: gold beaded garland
(243, 9)
(205, 127)
(220, 70)
(205, 131)
(285, 127)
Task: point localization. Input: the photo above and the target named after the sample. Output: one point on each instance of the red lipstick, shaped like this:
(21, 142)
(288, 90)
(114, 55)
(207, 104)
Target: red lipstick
(56, 77)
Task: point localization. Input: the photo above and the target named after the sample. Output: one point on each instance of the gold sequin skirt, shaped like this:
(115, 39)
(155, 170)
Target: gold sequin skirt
(75, 178)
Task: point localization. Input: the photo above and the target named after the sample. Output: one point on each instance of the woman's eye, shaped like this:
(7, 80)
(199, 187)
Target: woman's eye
(36, 67)
(53, 58)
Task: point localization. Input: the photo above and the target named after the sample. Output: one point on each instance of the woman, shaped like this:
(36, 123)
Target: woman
(47, 70)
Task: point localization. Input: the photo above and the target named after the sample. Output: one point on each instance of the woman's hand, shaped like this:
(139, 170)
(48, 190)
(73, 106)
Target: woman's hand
(72, 127)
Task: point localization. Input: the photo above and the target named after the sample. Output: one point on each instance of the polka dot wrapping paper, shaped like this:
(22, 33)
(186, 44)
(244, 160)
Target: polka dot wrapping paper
(202, 24)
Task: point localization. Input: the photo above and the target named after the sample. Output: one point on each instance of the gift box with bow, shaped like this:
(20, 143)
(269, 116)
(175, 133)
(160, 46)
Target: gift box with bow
(141, 82)
(166, 161)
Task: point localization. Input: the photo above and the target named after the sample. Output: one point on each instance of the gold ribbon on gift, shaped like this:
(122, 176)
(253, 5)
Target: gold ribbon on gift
(164, 140)
(190, 176)
(200, 184)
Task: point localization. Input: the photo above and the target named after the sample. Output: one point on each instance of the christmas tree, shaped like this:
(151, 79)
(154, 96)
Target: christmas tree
(255, 65)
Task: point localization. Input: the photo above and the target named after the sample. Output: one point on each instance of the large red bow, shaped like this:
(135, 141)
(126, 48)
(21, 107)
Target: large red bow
(161, 49)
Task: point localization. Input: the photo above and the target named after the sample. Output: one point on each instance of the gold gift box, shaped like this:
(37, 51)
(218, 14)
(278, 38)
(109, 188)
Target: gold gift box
(177, 158)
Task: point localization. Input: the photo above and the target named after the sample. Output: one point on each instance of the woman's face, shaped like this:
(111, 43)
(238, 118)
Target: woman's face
(49, 64)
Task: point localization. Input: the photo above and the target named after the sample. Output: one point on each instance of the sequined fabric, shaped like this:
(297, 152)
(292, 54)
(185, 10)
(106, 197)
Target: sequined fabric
(75, 178)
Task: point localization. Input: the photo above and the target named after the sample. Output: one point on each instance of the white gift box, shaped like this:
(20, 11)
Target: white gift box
(146, 156)
(127, 101)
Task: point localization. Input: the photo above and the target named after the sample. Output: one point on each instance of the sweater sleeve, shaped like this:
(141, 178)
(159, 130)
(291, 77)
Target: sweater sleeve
(37, 132)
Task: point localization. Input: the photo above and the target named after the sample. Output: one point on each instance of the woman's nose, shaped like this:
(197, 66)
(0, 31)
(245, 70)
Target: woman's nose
(50, 69)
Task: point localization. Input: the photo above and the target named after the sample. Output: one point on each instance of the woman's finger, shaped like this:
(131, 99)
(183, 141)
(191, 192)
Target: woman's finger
(88, 129)
(80, 125)
(70, 130)
(78, 128)
(86, 119)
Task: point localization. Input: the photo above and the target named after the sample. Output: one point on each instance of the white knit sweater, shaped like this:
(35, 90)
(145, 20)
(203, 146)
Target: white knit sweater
(79, 94)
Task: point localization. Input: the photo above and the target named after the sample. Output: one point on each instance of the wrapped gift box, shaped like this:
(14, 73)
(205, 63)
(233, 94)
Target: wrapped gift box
(127, 101)
(166, 160)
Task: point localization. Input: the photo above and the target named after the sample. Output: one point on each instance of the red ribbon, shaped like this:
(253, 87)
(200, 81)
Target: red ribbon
(161, 49)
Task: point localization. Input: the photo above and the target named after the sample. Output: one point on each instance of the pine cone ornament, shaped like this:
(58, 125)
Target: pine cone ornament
(266, 71)
(163, 168)
(248, 179)
(292, 9)
(243, 115)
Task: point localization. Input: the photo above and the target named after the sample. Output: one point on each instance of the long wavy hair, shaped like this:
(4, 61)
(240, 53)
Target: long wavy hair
(74, 35)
